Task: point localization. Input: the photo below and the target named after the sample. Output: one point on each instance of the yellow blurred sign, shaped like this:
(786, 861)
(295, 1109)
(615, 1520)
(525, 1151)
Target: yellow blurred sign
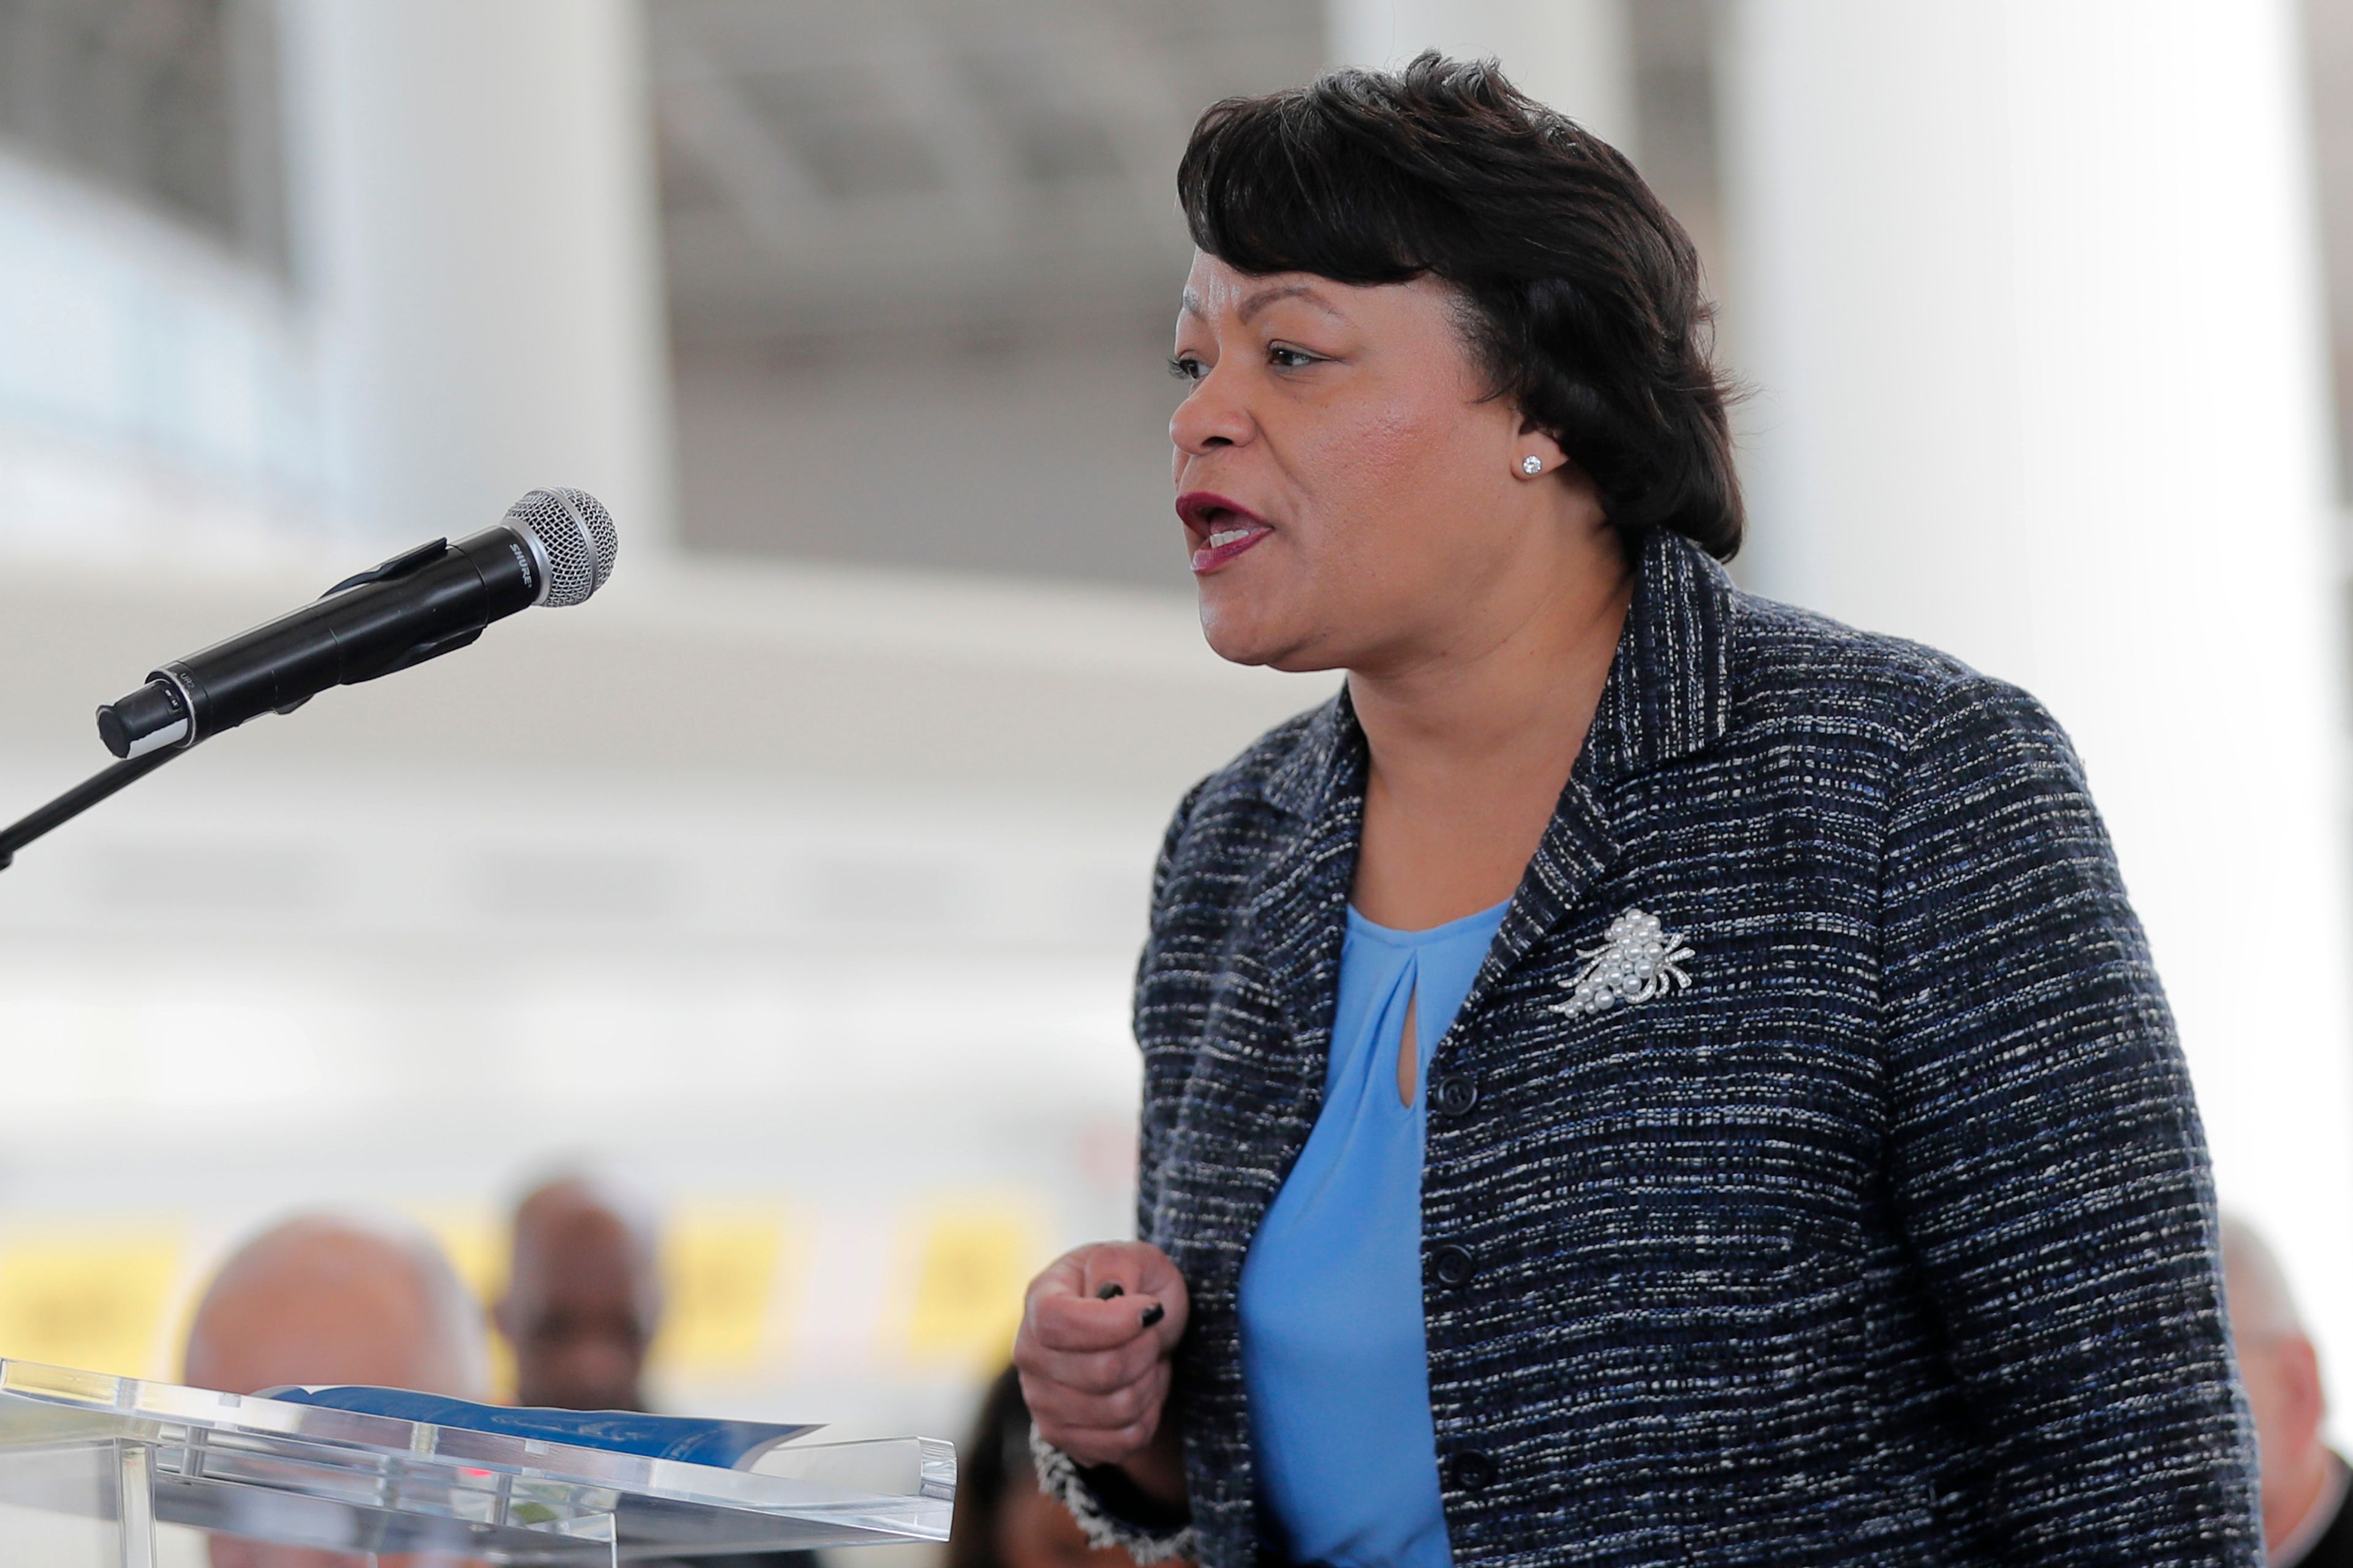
(725, 1277)
(972, 1263)
(475, 1245)
(89, 1302)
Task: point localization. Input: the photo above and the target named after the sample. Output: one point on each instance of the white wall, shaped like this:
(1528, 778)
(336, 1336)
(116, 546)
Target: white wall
(156, 391)
(475, 306)
(1043, 458)
(1575, 55)
(474, 233)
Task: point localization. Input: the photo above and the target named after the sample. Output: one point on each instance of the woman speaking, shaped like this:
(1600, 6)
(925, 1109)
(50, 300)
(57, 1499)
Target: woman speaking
(1645, 1075)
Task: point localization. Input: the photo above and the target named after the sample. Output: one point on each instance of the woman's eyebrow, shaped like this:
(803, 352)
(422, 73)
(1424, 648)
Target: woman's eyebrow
(1253, 304)
(1265, 297)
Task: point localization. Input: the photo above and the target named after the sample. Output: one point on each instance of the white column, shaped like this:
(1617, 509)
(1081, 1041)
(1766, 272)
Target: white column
(475, 229)
(1575, 55)
(2029, 290)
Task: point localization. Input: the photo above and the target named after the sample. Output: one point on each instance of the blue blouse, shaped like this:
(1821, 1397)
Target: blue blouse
(1330, 1304)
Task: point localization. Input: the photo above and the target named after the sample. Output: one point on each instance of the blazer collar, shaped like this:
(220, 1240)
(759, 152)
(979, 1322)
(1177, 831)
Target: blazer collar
(1668, 694)
(1302, 782)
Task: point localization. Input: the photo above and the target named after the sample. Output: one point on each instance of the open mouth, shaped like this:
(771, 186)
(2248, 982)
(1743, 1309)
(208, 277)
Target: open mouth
(1219, 529)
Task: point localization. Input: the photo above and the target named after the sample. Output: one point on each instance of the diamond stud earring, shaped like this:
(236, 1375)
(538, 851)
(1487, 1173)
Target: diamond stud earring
(1531, 466)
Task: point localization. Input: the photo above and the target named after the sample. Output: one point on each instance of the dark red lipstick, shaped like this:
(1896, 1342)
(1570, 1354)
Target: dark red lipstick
(1221, 529)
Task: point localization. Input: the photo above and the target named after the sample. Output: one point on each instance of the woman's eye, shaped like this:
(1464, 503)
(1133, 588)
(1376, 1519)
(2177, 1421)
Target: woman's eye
(1288, 358)
(1185, 367)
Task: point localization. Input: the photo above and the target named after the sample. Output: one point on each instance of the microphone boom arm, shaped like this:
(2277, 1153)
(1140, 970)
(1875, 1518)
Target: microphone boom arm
(79, 799)
(130, 769)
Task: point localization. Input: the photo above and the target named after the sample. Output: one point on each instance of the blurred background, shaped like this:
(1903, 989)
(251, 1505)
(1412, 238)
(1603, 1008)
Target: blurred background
(801, 873)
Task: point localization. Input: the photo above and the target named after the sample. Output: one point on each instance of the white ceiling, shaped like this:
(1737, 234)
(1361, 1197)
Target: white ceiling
(907, 168)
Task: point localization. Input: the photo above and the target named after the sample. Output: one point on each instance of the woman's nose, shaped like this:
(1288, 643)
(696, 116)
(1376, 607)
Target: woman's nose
(1211, 415)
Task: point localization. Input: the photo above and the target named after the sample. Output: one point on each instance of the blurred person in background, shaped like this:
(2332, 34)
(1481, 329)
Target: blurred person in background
(1003, 1517)
(584, 1294)
(335, 1298)
(2305, 1521)
(1618, 1077)
(584, 1303)
(330, 1298)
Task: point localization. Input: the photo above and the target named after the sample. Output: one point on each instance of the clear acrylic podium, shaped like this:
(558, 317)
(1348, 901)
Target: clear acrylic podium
(109, 1472)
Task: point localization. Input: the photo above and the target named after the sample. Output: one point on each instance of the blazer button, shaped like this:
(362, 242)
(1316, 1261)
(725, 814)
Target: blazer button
(1453, 1265)
(1468, 1469)
(1455, 1093)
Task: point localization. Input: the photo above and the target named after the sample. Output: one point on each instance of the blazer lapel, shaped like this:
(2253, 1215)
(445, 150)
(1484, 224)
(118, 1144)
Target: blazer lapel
(1299, 916)
(1577, 849)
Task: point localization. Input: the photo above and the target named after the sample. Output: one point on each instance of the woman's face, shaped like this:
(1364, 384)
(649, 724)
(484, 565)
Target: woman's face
(1348, 490)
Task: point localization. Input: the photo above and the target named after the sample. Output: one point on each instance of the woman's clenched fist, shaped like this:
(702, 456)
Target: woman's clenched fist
(1097, 1333)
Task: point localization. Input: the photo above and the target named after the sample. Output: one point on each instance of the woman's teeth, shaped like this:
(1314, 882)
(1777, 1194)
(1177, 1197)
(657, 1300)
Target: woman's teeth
(1228, 536)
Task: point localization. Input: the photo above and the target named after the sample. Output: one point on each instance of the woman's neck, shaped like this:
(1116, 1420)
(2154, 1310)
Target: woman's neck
(1473, 738)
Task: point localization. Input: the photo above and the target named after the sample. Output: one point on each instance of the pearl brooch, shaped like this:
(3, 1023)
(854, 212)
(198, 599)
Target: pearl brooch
(1639, 959)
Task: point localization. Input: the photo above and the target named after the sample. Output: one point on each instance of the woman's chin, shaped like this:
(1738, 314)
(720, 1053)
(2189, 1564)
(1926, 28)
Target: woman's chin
(1232, 647)
(1233, 632)
(1242, 638)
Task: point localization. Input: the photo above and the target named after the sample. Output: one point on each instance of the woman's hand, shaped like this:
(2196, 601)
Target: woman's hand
(1097, 1331)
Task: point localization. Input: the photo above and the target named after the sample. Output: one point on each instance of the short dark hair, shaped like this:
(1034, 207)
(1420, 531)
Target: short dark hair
(1584, 291)
(993, 1461)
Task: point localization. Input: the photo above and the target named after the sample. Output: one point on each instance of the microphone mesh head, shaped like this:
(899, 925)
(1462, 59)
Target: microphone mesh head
(576, 533)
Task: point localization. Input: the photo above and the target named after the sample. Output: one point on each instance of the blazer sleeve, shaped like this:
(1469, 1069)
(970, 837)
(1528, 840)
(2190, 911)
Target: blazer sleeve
(2046, 1160)
(1111, 1510)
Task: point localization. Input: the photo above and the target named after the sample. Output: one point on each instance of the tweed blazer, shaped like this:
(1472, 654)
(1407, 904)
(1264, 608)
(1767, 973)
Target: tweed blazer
(1889, 1239)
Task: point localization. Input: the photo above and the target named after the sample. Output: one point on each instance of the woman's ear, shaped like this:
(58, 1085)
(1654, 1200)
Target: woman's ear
(1537, 454)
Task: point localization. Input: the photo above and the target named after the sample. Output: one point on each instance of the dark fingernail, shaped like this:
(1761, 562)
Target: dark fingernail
(1154, 1313)
(1109, 1291)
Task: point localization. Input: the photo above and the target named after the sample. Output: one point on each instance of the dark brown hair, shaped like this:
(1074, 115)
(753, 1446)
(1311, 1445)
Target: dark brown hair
(996, 1458)
(1583, 293)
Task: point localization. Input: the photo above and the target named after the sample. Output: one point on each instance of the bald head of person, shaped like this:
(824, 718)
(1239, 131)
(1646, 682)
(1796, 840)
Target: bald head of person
(584, 1294)
(2282, 1373)
(326, 1298)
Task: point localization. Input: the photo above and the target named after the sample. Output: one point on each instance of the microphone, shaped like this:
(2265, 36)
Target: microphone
(554, 547)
